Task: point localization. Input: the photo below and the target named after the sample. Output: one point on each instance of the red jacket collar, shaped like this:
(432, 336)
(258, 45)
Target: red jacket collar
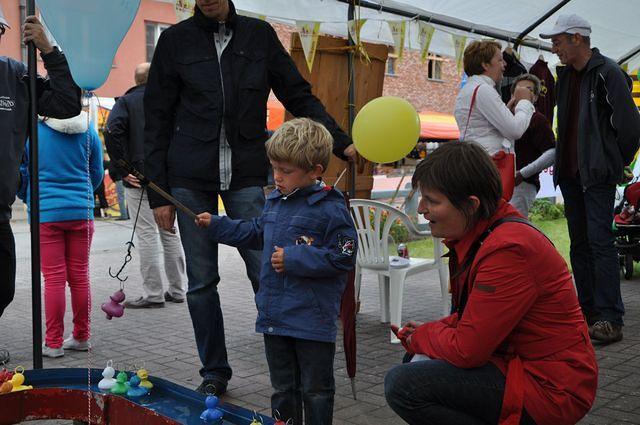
(463, 245)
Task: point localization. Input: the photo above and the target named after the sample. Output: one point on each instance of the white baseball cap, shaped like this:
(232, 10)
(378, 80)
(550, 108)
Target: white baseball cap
(3, 21)
(569, 24)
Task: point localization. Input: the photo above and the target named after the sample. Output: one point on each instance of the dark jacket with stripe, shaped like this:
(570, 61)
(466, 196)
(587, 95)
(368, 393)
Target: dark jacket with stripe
(608, 125)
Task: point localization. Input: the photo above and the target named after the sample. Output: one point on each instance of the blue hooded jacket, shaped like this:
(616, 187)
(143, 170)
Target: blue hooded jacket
(314, 227)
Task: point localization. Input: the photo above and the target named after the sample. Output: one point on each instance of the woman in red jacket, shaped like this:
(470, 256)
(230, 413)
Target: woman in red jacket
(516, 350)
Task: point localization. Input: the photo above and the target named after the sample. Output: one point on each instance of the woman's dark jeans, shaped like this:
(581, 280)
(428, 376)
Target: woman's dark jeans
(434, 392)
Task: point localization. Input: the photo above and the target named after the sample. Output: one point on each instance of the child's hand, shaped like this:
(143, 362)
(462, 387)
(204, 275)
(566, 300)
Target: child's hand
(277, 259)
(203, 220)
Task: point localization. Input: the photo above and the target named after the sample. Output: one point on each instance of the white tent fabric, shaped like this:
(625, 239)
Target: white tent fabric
(614, 23)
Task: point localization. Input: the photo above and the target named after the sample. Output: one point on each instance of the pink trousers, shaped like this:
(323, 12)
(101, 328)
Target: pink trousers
(64, 251)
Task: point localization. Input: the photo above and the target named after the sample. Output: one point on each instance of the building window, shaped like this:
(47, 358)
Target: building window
(153, 30)
(392, 61)
(434, 68)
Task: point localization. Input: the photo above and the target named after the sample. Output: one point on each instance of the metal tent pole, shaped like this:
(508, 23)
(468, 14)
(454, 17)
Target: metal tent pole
(352, 101)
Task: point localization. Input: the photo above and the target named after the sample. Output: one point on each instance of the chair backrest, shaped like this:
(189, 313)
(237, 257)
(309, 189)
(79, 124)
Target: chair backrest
(373, 222)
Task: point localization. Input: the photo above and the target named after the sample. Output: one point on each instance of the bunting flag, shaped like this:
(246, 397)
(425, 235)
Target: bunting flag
(459, 43)
(184, 9)
(309, 31)
(425, 34)
(252, 15)
(354, 26)
(398, 30)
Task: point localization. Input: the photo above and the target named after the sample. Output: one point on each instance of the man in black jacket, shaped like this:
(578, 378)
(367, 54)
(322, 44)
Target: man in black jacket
(205, 109)
(58, 97)
(125, 140)
(598, 135)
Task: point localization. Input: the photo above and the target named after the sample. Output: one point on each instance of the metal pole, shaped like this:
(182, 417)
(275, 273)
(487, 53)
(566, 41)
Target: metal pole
(538, 21)
(34, 195)
(457, 24)
(629, 55)
(352, 100)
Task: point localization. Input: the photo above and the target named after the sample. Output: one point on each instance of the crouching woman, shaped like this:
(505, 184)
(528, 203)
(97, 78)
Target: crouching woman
(516, 350)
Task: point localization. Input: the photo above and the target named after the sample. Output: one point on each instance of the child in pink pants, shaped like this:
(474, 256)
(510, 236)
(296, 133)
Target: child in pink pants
(70, 168)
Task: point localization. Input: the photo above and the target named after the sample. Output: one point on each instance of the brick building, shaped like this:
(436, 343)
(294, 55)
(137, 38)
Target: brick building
(431, 86)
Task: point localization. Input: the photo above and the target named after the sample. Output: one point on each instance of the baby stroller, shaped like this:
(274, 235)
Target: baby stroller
(626, 224)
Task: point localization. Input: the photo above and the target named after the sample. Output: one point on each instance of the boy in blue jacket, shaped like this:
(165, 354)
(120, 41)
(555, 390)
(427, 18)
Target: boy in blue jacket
(309, 244)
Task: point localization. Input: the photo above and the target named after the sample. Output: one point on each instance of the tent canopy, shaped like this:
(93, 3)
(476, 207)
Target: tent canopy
(614, 24)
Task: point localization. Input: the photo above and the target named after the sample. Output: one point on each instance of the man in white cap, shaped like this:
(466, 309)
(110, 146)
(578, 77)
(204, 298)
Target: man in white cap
(58, 97)
(598, 135)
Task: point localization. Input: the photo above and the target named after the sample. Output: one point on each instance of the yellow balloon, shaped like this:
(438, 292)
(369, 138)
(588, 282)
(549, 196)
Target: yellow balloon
(386, 129)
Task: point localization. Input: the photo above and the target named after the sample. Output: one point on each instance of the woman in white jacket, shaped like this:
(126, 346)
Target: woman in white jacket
(491, 123)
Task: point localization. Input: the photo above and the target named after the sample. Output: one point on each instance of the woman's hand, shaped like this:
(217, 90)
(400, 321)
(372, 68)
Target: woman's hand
(522, 93)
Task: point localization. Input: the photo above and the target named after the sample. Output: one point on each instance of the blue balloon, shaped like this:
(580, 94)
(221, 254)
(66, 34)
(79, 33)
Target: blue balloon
(89, 32)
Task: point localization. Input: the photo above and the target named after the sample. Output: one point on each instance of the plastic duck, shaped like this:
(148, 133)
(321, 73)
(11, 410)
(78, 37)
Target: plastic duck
(212, 415)
(113, 308)
(120, 387)
(135, 390)
(144, 379)
(18, 379)
(107, 382)
(6, 387)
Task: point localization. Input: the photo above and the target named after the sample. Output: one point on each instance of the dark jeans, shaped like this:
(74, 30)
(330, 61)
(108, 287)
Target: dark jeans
(301, 374)
(7, 266)
(201, 255)
(594, 258)
(434, 392)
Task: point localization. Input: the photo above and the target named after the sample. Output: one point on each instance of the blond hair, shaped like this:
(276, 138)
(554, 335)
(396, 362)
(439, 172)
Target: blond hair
(301, 142)
(478, 53)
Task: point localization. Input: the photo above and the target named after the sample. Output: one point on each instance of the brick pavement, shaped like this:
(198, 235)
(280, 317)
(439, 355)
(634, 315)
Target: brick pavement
(162, 339)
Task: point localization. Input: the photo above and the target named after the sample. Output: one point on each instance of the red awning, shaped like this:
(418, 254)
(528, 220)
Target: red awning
(435, 125)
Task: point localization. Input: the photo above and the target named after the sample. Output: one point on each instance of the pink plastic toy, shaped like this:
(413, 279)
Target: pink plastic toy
(113, 308)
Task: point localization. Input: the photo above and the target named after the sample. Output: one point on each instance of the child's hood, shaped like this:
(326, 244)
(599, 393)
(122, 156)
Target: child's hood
(74, 125)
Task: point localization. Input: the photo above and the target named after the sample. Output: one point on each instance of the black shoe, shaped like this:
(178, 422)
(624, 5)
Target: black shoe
(142, 303)
(606, 332)
(4, 357)
(212, 387)
(170, 298)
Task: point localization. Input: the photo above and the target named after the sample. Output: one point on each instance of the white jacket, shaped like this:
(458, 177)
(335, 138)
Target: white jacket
(491, 125)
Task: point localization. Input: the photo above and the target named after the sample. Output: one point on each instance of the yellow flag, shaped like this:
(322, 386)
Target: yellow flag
(184, 9)
(309, 31)
(425, 34)
(398, 30)
(355, 25)
(459, 43)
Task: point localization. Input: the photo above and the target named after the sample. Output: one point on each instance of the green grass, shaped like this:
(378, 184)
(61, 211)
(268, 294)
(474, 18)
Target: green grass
(556, 230)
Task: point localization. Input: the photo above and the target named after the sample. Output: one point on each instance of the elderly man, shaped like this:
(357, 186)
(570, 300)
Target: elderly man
(57, 96)
(125, 140)
(598, 134)
(205, 111)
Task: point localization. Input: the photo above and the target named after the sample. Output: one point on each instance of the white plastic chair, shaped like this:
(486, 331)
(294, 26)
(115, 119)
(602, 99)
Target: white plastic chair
(373, 254)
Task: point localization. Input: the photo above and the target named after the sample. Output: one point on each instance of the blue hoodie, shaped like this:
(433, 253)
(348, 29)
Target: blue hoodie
(65, 193)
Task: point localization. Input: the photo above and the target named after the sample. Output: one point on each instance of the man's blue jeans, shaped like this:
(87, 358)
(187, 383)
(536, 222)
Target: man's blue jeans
(202, 270)
(435, 392)
(594, 258)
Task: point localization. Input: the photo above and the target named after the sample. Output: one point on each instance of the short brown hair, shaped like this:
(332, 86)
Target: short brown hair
(537, 84)
(301, 142)
(459, 170)
(477, 53)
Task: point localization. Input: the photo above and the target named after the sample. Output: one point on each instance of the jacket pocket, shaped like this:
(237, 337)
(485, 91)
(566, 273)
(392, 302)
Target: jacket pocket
(305, 230)
(254, 90)
(199, 72)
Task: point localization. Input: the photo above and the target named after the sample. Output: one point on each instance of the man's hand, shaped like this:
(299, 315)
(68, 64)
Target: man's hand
(165, 217)
(351, 152)
(132, 180)
(277, 259)
(404, 333)
(519, 178)
(203, 220)
(34, 31)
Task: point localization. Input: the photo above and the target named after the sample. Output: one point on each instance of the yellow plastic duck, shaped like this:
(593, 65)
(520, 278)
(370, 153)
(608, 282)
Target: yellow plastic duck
(18, 380)
(144, 379)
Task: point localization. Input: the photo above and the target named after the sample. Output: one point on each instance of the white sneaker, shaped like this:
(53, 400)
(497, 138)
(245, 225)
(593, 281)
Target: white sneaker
(52, 352)
(73, 344)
